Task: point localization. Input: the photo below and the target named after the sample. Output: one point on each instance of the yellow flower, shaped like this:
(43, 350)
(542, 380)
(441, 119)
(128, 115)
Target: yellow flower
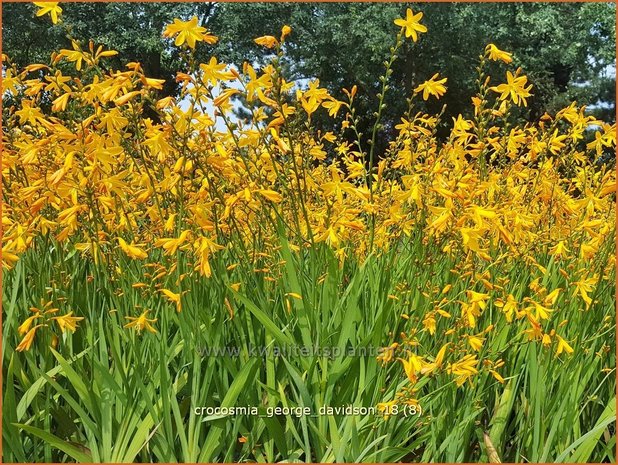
(49, 7)
(271, 195)
(559, 250)
(131, 250)
(171, 245)
(498, 55)
(285, 31)
(412, 366)
(585, 286)
(476, 342)
(432, 87)
(141, 322)
(387, 354)
(189, 32)
(430, 324)
(515, 87)
(267, 41)
(387, 408)
(215, 72)
(172, 297)
(28, 339)
(464, 369)
(496, 375)
(563, 346)
(429, 368)
(25, 326)
(411, 24)
(68, 322)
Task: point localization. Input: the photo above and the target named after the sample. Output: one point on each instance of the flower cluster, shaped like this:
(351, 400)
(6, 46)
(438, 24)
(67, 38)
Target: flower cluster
(94, 174)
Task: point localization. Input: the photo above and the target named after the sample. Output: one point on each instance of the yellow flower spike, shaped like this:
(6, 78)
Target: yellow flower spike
(411, 24)
(51, 8)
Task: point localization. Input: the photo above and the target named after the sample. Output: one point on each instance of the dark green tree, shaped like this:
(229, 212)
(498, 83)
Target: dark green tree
(566, 49)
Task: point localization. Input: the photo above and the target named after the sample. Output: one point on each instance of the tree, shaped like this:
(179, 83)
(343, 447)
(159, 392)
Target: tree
(566, 49)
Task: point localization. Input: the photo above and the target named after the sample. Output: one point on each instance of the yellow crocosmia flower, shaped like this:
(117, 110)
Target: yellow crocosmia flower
(267, 41)
(188, 32)
(433, 86)
(412, 366)
(68, 322)
(173, 297)
(271, 195)
(224, 97)
(443, 313)
(295, 295)
(559, 250)
(563, 346)
(515, 87)
(496, 375)
(411, 24)
(496, 54)
(464, 369)
(215, 72)
(441, 353)
(28, 339)
(429, 368)
(333, 107)
(551, 298)
(430, 324)
(51, 8)
(285, 31)
(60, 104)
(387, 408)
(387, 354)
(478, 298)
(171, 245)
(76, 55)
(470, 238)
(585, 286)
(131, 250)
(25, 326)
(476, 342)
(540, 311)
(141, 322)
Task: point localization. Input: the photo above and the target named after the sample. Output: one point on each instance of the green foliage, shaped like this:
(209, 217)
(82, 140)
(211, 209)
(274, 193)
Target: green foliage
(119, 396)
(567, 49)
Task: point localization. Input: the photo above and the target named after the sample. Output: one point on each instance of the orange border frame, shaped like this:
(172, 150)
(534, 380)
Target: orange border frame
(313, 1)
